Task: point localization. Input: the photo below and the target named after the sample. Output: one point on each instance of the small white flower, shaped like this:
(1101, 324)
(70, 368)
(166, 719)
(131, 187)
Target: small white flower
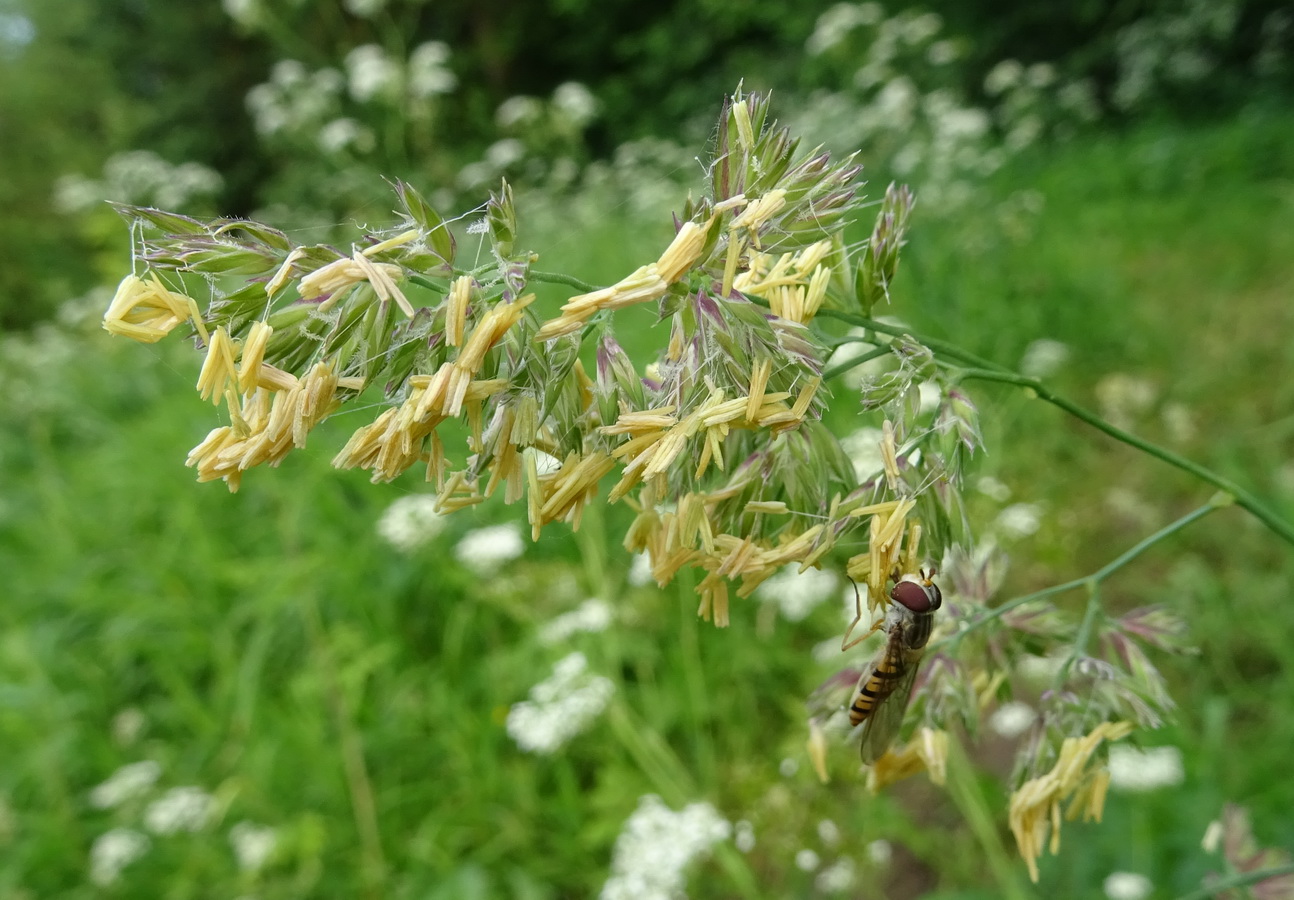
(371, 72)
(1213, 835)
(1124, 398)
(127, 725)
(485, 549)
(640, 570)
(113, 851)
(744, 836)
(518, 110)
(1039, 670)
(252, 844)
(1003, 76)
(798, 593)
(993, 488)
(1127, 886)
(941, 53)
(1010, 720)
(1041, 75)
(1043, 358)
(837, 878)
(829, 832)
(125, 784)
(807, 860)
(411, 522)
(591, 616)
(504, 153)
(863, 447)
(1137, 771)
(576, 103)
(655, 847)
(559, 707)
(1018, 520)
(365, 9)
(244, 12)
(337, 135)
(788, 767)
(880, 852)
(180, 809)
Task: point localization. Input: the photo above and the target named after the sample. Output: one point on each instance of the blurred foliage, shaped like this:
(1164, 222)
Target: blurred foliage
(88, 79)
(200, 620)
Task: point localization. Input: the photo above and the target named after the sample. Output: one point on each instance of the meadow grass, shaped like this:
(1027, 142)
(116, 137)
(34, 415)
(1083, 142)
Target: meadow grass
(281, 656)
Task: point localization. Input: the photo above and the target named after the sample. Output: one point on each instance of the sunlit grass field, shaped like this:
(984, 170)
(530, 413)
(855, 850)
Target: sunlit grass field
(270, 648)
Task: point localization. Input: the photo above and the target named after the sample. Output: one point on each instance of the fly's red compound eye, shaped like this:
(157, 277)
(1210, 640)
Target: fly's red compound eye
(917, 596)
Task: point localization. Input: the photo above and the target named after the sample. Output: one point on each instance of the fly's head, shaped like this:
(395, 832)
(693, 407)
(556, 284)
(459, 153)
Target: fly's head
(917, 592)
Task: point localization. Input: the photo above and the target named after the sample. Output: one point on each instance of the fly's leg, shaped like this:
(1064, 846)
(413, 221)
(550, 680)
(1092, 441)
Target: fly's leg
(846, 643)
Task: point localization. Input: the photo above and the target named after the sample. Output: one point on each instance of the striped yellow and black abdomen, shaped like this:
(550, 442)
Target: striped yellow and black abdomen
(873, 690)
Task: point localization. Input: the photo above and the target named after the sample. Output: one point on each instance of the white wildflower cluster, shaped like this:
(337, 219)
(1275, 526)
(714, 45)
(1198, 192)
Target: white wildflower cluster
(364, 9)
(252, 845)
(544, 133)
(112, 851)
(807, 860)
(307, 106)
(1139, 771)
(591, 616)
(993, 488)
(655, 847)
(1127, 886)
(371, 74)
(1043, 358)
(485, 549)
(560, 707)
(245, 12)
(1180, 45)
(863, 447)
(294, 99)
(640, 573)
(798, 593)
(411, 523)
(1124, 398)
(575, 103)
(1010, 720)
(127, 783)
(142, 178)
(1018, 520)
(901, 111)
(838, 878)
(180, 809)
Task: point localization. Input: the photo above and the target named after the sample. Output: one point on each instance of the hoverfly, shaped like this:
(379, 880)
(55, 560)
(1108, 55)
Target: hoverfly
(907, 625)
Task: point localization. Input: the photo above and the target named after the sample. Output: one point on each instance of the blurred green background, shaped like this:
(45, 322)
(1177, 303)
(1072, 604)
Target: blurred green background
(1117, 178)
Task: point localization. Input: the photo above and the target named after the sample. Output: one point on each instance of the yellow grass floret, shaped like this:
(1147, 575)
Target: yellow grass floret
(146, 311)
(1035, 805)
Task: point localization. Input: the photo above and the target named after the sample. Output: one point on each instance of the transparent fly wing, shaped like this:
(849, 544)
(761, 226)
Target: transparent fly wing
(885, 722)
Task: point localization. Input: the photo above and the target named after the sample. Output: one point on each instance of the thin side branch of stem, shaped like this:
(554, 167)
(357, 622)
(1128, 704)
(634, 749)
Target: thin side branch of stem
(1087, 580)
(1240, 879)
(855, 361)
(985, 370)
